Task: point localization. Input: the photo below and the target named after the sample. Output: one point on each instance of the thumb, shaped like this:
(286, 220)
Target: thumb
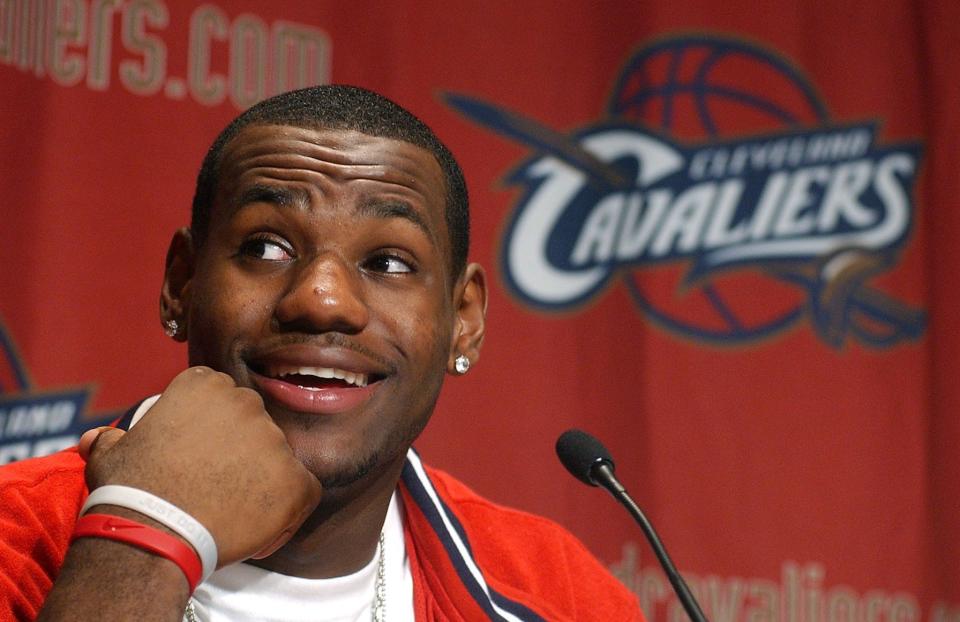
(98, 440)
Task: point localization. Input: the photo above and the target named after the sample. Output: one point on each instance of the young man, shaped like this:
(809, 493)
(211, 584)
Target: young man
(323, 291)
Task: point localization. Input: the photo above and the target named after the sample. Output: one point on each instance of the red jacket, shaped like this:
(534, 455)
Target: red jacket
(470, 559)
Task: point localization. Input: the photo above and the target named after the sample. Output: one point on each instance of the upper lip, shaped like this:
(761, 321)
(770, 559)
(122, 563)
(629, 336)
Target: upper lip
(325, 361)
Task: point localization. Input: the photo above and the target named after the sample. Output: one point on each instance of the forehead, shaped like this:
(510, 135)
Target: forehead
(327, 159)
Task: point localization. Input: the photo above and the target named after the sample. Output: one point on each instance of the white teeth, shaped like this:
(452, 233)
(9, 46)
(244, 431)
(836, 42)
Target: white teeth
(356, 379)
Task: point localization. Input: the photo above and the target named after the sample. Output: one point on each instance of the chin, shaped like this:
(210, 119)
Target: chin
(344, 475)
(339, 463)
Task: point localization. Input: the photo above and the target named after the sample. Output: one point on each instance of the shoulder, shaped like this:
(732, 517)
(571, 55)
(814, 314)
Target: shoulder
(39, 502)
(52, 483)
(535, 559)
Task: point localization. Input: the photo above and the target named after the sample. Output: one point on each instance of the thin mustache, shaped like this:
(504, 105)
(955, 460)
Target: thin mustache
(337, 340)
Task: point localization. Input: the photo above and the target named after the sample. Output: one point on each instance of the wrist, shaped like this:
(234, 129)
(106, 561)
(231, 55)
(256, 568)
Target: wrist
(140, 536)
(161, 511)
(122, 512)
(106, 580)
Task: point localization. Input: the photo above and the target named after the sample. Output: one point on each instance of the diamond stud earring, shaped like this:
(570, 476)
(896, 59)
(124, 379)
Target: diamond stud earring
(461, 364)
(170, 328)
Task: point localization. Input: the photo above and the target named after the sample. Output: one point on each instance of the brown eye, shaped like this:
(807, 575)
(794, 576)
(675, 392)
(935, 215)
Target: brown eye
(388, 264)
(266, 249)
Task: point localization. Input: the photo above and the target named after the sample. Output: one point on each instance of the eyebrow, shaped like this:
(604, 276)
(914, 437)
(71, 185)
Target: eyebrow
(280, 196)
(379, 208)
(298, 198)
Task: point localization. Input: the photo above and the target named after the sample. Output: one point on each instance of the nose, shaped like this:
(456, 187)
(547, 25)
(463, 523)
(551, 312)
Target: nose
(325, 295)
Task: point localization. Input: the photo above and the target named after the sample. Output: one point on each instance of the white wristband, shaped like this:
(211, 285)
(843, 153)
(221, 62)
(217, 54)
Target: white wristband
(163, 512)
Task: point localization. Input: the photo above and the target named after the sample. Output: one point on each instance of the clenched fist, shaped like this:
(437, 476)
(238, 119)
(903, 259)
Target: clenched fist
(210, 448)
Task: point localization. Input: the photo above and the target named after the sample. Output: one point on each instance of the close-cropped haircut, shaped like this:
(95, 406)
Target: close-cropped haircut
(341, 107)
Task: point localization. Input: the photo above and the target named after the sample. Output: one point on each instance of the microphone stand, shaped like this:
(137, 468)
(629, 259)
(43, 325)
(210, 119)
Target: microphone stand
(602, 474)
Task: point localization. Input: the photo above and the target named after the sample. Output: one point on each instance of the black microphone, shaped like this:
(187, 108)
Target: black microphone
(589, 461)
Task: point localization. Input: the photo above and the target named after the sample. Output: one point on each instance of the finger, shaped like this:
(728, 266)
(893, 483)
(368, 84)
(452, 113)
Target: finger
(88, 439)
(314, 494)
(272, 548)
(98, 439)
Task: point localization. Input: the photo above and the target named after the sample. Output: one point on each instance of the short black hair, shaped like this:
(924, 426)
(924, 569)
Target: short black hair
(342, 107)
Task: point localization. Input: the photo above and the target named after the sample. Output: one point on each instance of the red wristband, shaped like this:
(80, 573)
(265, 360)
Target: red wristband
(143, 537)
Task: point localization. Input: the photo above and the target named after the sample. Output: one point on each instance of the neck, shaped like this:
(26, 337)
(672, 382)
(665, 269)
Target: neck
(341, 535)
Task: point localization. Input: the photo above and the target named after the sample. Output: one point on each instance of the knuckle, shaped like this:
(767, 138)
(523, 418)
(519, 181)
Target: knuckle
(277, 438)
(249, 394)
(104, 440)
(223, 378)
(190, 376)
(310, 485)
(248, 400)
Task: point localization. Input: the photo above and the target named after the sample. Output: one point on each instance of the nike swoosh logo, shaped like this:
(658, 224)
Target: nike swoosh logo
(117, 526)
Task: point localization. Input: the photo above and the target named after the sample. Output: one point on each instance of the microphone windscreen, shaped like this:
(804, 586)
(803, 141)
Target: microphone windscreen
(578, 451)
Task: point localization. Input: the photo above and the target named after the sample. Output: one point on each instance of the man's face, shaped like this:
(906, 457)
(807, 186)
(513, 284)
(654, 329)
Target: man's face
(325, 285)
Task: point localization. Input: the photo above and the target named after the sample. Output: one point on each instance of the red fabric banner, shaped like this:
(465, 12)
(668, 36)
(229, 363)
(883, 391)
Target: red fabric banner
(718, 236)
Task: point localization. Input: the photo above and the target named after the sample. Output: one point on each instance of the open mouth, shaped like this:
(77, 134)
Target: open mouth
(316, 378)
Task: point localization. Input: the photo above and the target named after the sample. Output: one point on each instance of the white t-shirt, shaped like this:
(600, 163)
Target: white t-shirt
(245, 592)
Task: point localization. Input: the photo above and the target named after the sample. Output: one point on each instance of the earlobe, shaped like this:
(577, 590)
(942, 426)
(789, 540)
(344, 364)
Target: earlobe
(175, 293)
(469, 321)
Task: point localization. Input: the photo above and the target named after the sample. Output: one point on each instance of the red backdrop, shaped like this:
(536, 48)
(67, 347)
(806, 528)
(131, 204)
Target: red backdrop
(788, 423)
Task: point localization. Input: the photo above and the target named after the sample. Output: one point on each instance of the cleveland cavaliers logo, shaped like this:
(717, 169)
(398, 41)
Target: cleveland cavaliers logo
(717, 190)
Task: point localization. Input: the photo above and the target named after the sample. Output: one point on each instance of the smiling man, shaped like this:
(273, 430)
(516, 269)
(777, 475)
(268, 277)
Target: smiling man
(324, 292)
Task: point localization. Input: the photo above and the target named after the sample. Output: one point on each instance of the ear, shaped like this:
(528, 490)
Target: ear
(470, 316)
(178, 274)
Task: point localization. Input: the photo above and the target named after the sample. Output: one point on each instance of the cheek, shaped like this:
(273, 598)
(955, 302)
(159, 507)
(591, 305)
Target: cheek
(430, 345)
(422, 328)
(221, 319)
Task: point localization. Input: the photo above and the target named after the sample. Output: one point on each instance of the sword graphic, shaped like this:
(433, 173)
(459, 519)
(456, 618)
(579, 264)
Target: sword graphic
(829, 305)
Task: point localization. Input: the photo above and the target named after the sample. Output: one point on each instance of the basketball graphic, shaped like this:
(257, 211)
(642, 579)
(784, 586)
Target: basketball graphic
(719, 191)
(702, 89)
